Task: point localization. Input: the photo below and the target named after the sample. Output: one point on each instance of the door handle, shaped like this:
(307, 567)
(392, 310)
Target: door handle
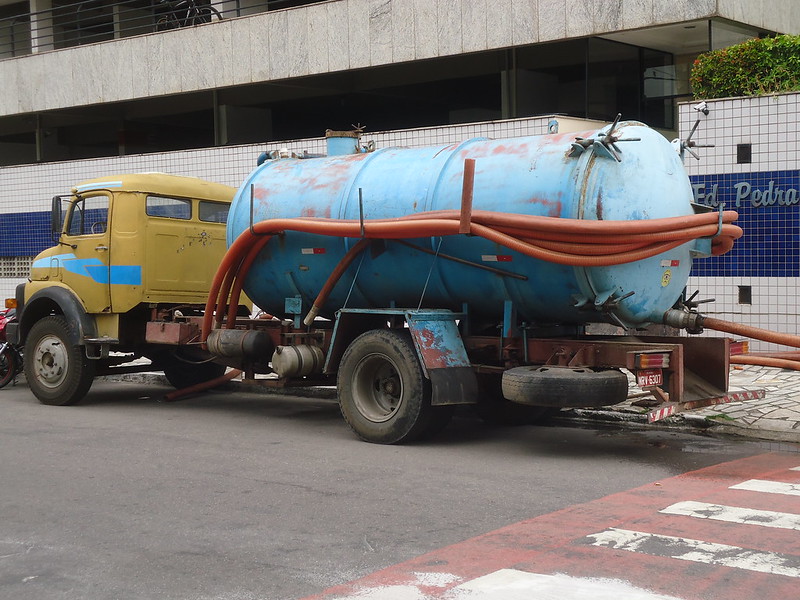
(101, 248)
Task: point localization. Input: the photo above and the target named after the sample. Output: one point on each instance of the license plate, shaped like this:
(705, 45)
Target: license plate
(649, 377)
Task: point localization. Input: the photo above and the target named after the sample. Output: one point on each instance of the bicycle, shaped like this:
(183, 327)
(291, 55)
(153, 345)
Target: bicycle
(10, 355)
(185, 13)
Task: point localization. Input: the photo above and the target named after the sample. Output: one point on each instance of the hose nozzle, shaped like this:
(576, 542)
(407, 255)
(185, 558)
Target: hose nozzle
(690, 321)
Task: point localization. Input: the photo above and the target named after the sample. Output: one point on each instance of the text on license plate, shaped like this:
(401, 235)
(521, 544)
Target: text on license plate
(648, 377)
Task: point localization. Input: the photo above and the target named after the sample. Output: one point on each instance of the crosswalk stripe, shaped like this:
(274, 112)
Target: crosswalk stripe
(734, 514)
(512, 584)
(697, 551)
(769, 487)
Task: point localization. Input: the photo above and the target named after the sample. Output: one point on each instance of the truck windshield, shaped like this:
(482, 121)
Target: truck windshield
(88, 216)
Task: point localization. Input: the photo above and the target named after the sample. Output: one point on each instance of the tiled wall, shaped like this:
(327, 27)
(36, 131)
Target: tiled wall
(766, 192)
(27, 189)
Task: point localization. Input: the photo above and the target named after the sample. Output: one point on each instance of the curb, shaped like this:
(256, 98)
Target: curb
(697, 422)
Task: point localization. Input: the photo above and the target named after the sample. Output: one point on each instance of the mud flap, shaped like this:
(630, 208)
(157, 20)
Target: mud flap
(443, 356)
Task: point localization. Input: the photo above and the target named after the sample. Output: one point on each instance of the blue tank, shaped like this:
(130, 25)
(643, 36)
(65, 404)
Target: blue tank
(549, 175)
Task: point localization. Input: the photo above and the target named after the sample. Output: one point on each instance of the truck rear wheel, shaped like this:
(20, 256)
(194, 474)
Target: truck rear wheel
(58, 372)
(383, 393)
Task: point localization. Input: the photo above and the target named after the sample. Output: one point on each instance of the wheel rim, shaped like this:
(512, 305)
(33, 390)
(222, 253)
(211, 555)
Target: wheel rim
(6, 366)
(51, 361)
(377, 388)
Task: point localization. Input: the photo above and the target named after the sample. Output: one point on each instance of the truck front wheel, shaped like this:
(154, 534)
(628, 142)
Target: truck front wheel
(383, 393)
(58, 372)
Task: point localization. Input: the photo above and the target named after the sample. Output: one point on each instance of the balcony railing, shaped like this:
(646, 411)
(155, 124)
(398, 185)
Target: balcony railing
(69, 24)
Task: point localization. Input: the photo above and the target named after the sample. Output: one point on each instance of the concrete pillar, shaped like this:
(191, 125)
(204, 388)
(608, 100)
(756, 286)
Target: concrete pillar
(116, 20)
(42, 34)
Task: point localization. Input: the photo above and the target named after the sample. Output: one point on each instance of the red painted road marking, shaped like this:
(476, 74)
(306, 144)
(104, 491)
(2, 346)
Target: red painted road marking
(563, 543)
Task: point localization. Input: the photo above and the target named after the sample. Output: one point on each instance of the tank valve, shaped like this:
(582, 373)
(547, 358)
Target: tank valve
(605, 145)
(692, 322)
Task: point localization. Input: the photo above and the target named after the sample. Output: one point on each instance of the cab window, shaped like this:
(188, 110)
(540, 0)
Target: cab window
(171, 208)
(88, 216)
(213, 212)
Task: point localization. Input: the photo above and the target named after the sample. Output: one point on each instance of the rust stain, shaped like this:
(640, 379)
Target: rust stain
(435, 353)
(599, 205)
(558, 138)
(552, 207)
(260, 192)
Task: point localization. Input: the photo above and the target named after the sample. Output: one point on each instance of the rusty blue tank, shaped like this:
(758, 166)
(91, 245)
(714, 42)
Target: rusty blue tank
(568, 175)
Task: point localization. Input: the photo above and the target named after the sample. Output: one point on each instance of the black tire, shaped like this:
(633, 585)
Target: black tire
(565, 387)
(166, 23)
(9, 367)
(383, 393)
(58, 372)
(183, 372)
(494, 409)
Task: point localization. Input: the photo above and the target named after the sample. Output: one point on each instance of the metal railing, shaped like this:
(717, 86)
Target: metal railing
(69, 24)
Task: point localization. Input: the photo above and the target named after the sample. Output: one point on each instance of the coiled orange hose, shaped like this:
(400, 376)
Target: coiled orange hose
(573, 242)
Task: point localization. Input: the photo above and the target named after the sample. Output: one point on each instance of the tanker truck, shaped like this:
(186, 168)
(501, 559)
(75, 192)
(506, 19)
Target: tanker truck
(413, 279)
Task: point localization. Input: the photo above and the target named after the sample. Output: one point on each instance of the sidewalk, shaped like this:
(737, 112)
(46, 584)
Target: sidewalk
(775, 417)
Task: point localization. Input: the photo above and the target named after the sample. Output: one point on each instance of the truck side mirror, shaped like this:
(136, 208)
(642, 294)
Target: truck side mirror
(55, 216)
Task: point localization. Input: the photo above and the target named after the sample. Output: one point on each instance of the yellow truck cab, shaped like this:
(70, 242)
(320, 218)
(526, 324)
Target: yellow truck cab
(134, 255)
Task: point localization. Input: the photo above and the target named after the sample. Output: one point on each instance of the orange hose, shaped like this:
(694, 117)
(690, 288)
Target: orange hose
(498, 219)
(200, 387)
(225, 269)
(241, 273)
(333, 278)
(785, 339)
(787, 354)
(765, 361)
(572, 242)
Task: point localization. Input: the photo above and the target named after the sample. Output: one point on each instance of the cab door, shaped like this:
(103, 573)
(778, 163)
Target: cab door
(84, 264)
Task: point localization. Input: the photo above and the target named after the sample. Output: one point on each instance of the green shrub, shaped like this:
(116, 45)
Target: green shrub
(752, 68)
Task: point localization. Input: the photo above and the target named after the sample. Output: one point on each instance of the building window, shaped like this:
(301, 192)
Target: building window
(744, 153)
(745, 294)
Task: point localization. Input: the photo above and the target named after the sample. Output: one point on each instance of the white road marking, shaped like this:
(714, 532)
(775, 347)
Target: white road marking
(698, 551)
(734, 514)
(510, 584)
(795, 469)
(768, 487)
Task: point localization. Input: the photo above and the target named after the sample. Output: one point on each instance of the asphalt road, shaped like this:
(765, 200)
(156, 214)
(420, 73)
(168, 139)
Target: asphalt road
(241, 496)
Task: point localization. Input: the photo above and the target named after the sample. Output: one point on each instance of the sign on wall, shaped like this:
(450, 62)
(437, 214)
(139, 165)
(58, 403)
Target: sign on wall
(768, 204)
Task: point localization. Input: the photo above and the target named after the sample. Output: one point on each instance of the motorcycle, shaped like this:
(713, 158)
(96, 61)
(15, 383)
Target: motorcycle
(10, 355)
